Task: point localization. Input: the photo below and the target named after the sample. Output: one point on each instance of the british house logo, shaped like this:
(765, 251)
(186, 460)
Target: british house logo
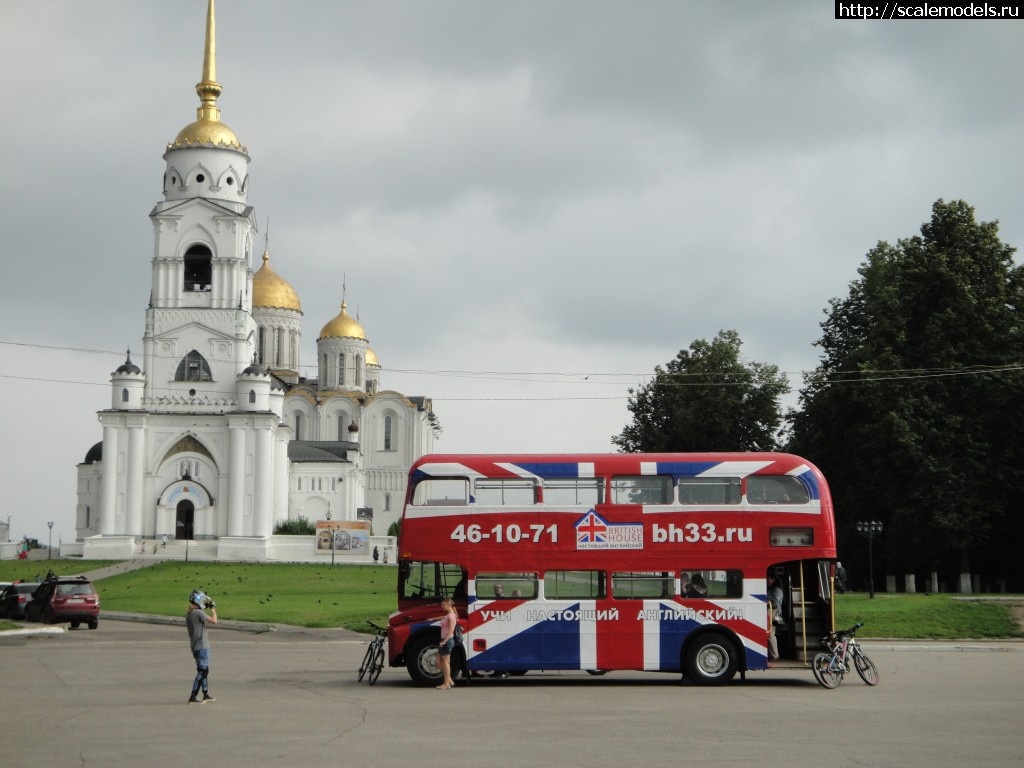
(594, 532)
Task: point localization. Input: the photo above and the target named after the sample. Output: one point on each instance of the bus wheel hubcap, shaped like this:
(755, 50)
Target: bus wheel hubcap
(711, 661)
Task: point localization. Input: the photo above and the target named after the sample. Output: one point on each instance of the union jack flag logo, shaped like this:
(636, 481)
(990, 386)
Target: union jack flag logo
(591, 529)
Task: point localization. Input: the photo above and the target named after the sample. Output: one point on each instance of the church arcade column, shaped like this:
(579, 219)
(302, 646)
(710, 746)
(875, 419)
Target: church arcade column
(136, 480)
(108, 493)
(263, 479)
(236, 473)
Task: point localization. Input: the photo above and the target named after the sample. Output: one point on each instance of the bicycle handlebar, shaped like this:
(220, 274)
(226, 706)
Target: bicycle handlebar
(377, 627)
(851, 631)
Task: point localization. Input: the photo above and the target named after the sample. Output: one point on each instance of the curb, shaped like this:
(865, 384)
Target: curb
(179, 621)
(140, 618)
(898, 646)
(30, 631)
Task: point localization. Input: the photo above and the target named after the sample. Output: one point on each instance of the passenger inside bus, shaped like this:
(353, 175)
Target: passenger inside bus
(697, 586)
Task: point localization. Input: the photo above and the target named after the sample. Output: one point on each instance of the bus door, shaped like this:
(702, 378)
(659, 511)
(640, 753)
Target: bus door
(806, 608)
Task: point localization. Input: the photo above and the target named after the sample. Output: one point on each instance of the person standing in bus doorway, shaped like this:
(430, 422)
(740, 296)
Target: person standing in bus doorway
(444, 654)
(775, 598)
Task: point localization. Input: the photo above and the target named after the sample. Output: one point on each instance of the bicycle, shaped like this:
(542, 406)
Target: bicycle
(830, 667)
(373, 661)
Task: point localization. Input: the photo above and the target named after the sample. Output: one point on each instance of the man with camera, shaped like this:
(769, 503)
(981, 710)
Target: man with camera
(196, 620)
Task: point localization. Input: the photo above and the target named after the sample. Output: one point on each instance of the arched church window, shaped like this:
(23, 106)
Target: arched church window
(198, 269)
(124, 395)
(341, 370)
(387, 502)
(261, 355)
(252, 396)
(298, 426)
(341, 426)
(388, 426)
(193, 367)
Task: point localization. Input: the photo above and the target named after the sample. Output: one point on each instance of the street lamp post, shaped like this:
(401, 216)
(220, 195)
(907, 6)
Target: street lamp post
(331, 531)
(49, 542)
(869, 529)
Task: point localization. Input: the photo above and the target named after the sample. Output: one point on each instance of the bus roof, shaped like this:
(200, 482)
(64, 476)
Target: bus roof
(719, 464)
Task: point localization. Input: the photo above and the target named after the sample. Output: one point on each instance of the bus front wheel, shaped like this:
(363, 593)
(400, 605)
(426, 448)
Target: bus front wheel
(421, 661)
(711, 660)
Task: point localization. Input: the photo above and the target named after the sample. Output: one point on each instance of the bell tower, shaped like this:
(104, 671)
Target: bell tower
(199, 329)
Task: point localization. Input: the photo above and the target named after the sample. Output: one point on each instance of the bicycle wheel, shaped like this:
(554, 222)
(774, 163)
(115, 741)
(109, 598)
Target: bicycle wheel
(376, 665)
(365, 666)
(825, 672)
(865, 668)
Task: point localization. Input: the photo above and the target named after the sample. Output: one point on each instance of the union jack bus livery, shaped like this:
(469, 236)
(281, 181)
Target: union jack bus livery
(599, 562)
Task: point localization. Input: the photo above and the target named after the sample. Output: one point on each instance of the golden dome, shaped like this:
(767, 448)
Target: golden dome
(207, 133)
(371, 357)
(343, 326)
(269, 289)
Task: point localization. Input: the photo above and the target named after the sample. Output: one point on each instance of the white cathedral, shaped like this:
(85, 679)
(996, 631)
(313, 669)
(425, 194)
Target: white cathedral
(217, 438)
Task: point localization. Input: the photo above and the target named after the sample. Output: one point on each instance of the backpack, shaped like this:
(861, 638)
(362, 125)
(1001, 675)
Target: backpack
(458, 633)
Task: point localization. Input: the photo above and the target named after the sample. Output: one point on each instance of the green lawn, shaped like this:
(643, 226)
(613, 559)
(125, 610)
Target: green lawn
(350, 595)
(919, 616)
(281, 593)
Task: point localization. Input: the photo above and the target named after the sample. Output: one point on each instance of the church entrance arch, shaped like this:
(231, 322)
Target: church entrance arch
(188, 509)
(184, 523)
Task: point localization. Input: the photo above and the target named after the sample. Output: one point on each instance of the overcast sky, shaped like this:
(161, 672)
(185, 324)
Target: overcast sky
(532, 203)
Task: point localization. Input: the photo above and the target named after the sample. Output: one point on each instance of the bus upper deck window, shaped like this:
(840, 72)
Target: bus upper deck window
(504, 492)
(709, 490)
(583, 491)
(641, 489)
(776, 489)
(441, 492)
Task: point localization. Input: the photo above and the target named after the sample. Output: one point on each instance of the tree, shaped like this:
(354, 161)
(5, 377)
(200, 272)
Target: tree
(915, 411)
(706, 399)
(298, 526)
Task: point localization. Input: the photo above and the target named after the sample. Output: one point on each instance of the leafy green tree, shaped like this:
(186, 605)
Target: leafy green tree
(706, 399)
(916, 411)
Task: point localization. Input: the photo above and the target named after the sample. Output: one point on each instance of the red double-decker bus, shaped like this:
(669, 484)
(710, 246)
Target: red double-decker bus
(600, 562)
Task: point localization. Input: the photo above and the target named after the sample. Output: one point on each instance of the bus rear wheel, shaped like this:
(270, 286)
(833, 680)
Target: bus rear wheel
(421, 661)
(711, 660)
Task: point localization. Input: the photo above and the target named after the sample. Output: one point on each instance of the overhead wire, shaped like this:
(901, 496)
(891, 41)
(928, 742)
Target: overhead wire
(682, 379)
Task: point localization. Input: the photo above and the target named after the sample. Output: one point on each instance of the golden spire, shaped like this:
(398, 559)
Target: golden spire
(208, 130)
(209, 89)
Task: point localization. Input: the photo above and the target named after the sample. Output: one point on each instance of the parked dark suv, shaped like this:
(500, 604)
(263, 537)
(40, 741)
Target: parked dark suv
(15, 598)
(61, 599)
